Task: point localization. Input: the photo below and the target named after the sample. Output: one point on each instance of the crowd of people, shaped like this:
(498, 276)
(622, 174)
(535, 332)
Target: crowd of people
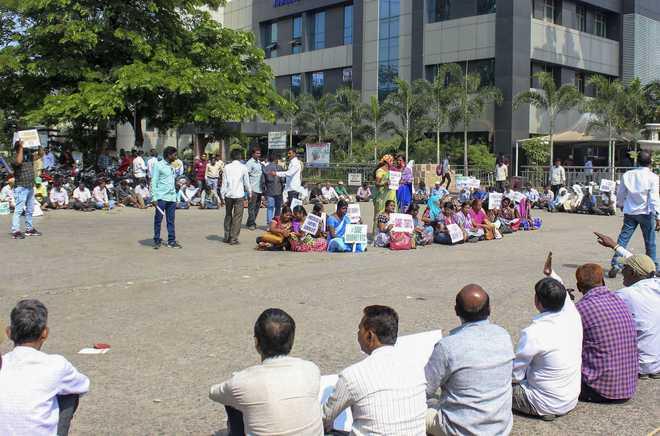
(595, 350)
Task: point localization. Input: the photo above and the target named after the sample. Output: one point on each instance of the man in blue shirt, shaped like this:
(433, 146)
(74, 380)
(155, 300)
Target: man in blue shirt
(255, 172)
(163, 196)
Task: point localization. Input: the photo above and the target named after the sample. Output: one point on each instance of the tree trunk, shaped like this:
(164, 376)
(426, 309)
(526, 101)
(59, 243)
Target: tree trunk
(376, 143)
(291, 133)
(437, 145)
(137, 129)
(610, 144)
(465, 149)
(552, 144)
(407, 136)
(350, 144)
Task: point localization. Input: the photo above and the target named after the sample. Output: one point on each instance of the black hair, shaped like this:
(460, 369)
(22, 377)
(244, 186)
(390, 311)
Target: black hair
(292, 150)
(472, 316)
(168, 151)
(448, 204)
(236, 154)
(300, 209)
(272, 156)
(414, 207)
(383, 321)
(382, 163)
(644, 158)
(28, 321)
(275, 331)
(342, 203)
(318, 209)
(388, 202)
(285, 209)
(551, 294)
(254, 149)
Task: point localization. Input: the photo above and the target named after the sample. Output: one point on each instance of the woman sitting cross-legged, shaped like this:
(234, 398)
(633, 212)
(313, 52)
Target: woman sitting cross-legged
(441, 234)
(508, 216)
(423, 232)
(304, 242)
(336, 227)
(462, 218)
(382, 221)
(277, 236)
(480, 219)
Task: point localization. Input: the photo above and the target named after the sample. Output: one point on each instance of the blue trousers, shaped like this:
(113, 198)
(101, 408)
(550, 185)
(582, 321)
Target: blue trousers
(630, 223)
(24, 198)
(274, 207)
(169, 207)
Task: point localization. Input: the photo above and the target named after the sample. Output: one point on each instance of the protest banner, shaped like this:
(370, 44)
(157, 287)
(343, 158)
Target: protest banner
(311, 224)
(296, 202)
(276, 140)
(356, 234)
(402, 222)
(455, 233)
(607, 185)
(318, 155)
(354, 179)
(354, 213)
(30, 138)
(395, 179)
(495, 200)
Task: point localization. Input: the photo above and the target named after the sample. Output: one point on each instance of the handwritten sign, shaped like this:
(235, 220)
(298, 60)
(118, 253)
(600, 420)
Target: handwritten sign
(354, 213)
(30, 138)
(395, 179)
(607, 185)
(356, 234)
(311, 224)
(296, 202)
(402, 222)
(495, 200)
(455, 233)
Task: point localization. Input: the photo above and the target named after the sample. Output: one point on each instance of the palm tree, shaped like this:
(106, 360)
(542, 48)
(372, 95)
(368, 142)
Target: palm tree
(376, 114)
(351, 112)
(444, 93)
(469, 105)
(551, 100)
(409, 102)
(317, 114)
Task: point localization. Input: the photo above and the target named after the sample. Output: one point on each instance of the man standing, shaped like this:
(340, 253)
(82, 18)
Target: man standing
(104, 161)
(589, 170)
(473, 367)
(638, 197)
(153, 158)
(557, 177)
(293, 176)
(255, 172)
(445, 172)
(213, 171)
(501, 174)
(235, 184)
(273, 188)
(163, 197)
(199, 168)
(139, 166)
(23, 194)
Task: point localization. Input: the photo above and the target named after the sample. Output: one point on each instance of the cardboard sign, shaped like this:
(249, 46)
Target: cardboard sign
(495, 200)
(296, 202)
(276, 140)
(356, 234)
(607, 185)
(354, 179)
(30, 138)
(402, 222)
(395, 179)
(311, 224)
(455, 233)
(354, 213)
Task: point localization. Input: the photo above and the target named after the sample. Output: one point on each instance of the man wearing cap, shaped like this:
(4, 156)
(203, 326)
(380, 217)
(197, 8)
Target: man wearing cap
(638, 197)
(341, 191)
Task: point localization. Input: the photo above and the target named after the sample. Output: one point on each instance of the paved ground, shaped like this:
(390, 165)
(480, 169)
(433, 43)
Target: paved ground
(179, 321)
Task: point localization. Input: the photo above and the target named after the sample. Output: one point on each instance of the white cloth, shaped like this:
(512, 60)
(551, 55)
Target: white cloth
(150, 164)
(643, 300)
(60, 196)
(236, 181)
(638, 192)
(142, 192)
(280, 396)
(7, 194)
(501, 172)
(532, 195)
(139, 168)
(29, 384)
(83, 196)
(293, 175)
(100, 195)
(557, 175)
(549, 359)
(387, 396)
(329, 193)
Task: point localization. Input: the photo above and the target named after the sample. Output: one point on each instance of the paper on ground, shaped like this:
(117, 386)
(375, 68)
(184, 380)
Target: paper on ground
(93, 351)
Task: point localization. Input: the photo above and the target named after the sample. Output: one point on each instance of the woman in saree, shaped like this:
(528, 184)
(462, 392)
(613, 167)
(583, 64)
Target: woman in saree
(384, 227)
(508, 215)
(433, 211)
(423, 232)
(382, 191)
(277, 236)
(441, 234)
(462, 218)
(336, 227)
(480, 219)
(303, 242)
(404, 195)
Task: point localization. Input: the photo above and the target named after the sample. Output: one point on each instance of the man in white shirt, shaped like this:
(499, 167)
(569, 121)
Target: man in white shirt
(100, 196)
(214, 169)
(58, 198)
(38, 392)
(235, 184)
(329, 194)
(293, 176)
(547, 370)
(638, 197)
(278, 396)
(557, 176)
(501, 174)
(153, 158)
(139, 167)
(7, 193)
(82, 198)
(143, 191)
(386, 395)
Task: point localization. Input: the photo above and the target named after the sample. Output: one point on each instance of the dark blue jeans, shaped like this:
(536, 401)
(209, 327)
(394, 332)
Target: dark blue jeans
(630, 223)
(169, 207)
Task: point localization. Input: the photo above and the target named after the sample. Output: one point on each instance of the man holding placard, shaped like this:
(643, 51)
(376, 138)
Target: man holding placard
(23, 194)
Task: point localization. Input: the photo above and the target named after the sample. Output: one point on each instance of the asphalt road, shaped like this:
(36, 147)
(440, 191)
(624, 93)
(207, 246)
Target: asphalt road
(181, 320)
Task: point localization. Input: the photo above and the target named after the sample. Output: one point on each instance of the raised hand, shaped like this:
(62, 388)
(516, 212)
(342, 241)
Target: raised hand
(547, 268)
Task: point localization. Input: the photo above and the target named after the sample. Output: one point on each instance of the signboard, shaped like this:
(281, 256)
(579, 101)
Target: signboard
(607, 185)
(354, 179)
(354, 213)
(495, 200)
(311, 224)
(464, 182)
(455, 233)
(395, 179)
(30, 138)
(276, 140)
(402, 222)
(318, 155)
(356, 234)
(296, 202)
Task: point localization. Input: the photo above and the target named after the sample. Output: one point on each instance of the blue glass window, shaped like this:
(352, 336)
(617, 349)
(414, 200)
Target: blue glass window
(388, 47)
(318, 38)
(317, 84)
(296, 35)
(348, 24)
(296, 82)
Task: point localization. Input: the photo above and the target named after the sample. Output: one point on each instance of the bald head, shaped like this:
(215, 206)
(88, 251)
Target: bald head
(472, 303)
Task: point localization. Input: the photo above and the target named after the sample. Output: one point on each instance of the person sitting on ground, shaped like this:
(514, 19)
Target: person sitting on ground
(546, 198)
(423, 233)
(193, 193)
(473, 366)
(363, 193)
(209, 199)
(278, 396)
(100, 196)
(182, 199)
(39, 392)
(7, 193)
(508, 216)
(328, 194)
(609, 341)
(463, 219)
(143, 192)
(303, 242)
(342, 193)
(441, 234)
(384, 227)
(276, 238)
(432, 212)
(532, 195)
(336, 228)
(82, 198)
(547, 367)
(127, 197)
(480, 219)
(40, 193)
(607, 203)
(58, 197)
(439, 190)
(642, 296)
(421, 194)
(464, 195)
(316, 194)
(385, 394)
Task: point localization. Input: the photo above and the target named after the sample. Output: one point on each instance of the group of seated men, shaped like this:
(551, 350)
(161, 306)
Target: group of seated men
(329, 194)
(594, 350)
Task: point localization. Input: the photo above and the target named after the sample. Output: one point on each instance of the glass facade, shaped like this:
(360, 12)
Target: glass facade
(296, 84)
(296, 35)
(486, 7)
(347, 76)
(318, 34)
(484, 67)
(442, 10)
(317, 84)
(549, 11)
(600, 28)
(581, 18)
(348, 24)
(270, 39)
(388, 46)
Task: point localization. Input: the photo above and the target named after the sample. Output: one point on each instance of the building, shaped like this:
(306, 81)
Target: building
(316, 46)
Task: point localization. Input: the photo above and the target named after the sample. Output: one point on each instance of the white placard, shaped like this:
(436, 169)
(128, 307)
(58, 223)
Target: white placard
(356, 234)
(607, 185)
(94, 351)
(517, 196)
(295, 202)
(276, 140)
(402, 222)
(324, 220)
(455, 233)
(311, 224)
(354, 179)
(30, 138)
(395, 179)
(495, 200)
(354, 213)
